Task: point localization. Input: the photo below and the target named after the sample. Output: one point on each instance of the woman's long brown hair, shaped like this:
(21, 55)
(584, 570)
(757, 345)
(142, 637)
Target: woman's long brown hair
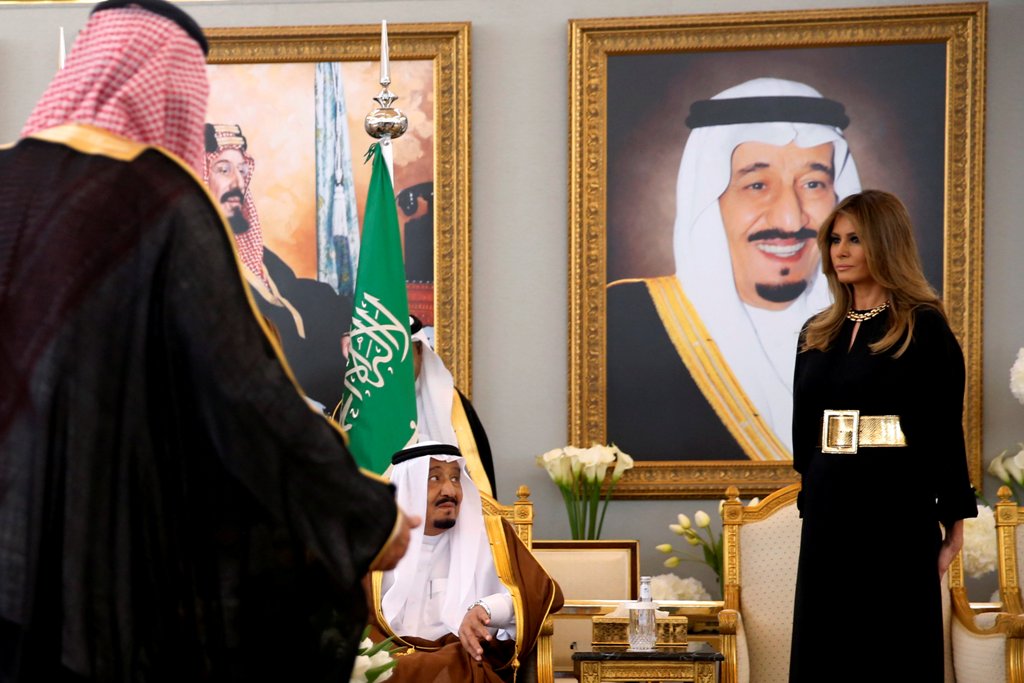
(883, 226)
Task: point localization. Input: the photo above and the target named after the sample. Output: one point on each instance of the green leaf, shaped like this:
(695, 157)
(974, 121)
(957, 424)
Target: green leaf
(379, 646)
(375, 673)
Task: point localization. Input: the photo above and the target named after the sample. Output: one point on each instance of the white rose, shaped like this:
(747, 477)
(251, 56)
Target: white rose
(671, 587)
(663, 586)
(1017, 376)
(980, 547)
(691, 589)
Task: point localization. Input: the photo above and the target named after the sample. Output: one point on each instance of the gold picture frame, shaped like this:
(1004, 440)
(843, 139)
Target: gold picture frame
(447, 47)
(631, 61)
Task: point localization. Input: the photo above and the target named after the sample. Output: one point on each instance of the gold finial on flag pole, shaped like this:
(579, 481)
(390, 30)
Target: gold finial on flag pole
(63, 50)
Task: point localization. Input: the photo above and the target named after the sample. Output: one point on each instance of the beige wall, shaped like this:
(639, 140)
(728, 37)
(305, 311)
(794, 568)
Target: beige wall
(520, 252)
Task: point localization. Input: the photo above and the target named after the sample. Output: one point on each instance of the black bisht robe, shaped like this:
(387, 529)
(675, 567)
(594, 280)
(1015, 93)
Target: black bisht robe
(870, 540)
(170, 507)
(315, 357)
(655, 409)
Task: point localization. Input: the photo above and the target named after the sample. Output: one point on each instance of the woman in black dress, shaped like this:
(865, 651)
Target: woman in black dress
(878, 440)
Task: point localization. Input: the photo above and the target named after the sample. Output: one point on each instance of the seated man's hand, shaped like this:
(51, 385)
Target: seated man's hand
(473, 630)
(396, 547)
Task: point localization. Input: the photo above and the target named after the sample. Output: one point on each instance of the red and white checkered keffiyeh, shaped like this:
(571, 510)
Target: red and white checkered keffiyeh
(250, 242)
(136, 74)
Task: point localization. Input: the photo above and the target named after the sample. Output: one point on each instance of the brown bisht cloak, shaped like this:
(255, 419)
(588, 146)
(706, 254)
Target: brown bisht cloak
(534, 595)
(170, 507)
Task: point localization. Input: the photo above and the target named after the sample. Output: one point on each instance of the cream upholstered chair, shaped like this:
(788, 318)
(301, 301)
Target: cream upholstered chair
(594, 576)
(761, 546)
(537, 666)
(989, 647)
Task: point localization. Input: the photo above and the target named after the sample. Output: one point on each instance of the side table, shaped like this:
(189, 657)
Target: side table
(698, 664)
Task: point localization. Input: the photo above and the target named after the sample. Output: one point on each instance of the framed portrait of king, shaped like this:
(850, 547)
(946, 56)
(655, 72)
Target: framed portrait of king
(285, 144)
(705, 152)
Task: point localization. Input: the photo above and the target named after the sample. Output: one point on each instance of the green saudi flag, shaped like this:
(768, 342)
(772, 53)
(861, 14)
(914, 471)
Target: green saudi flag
(379, 402)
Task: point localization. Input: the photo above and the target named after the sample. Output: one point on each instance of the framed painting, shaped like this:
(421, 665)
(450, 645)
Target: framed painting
(291, 103)
(685, 301)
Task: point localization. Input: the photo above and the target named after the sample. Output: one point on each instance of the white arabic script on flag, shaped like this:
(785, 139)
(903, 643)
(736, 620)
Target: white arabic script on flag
(377, 336)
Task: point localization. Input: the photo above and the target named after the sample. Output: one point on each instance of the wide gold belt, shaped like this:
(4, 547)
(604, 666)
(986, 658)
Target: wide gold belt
(844, 431)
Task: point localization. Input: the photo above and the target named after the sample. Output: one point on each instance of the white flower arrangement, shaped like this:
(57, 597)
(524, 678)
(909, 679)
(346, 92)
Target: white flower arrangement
(671, 587)
(1008, 467)
(979, 550)
(373, 663)
(709, 543)
(579, 474)
(1017, 376)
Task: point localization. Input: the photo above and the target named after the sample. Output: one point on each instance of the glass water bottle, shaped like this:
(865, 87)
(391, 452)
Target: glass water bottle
(641, 619)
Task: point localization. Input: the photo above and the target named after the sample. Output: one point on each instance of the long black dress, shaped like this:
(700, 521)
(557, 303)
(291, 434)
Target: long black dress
(870, 540)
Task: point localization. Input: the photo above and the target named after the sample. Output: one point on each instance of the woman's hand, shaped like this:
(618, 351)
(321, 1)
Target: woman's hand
(951, 546)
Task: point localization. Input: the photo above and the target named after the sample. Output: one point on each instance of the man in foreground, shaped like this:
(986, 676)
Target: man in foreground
(468, 596)
(170, 507)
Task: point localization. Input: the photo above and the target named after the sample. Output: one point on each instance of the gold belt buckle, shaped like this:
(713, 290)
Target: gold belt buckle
(840, 431)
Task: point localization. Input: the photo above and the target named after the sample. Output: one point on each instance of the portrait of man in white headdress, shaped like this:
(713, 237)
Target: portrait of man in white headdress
(700, 350)
(764, 165)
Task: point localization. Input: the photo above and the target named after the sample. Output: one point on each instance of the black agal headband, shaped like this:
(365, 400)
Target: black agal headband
(426, 449)
(765, 109)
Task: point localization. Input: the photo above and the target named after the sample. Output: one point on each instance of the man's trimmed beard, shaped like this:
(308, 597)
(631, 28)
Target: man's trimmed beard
(444, 524)
(781, 294)
(238, 223)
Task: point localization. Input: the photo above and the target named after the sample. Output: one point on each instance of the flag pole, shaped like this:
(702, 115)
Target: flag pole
(385, 122)
(63, 50)
(378, 408)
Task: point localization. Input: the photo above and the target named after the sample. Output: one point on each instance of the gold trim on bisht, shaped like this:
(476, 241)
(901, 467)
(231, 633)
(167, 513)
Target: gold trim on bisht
(467, 446)
(711, 372)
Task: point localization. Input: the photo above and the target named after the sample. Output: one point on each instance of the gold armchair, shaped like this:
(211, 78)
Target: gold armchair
(538, 665)
(761, 545)
(989, 646)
